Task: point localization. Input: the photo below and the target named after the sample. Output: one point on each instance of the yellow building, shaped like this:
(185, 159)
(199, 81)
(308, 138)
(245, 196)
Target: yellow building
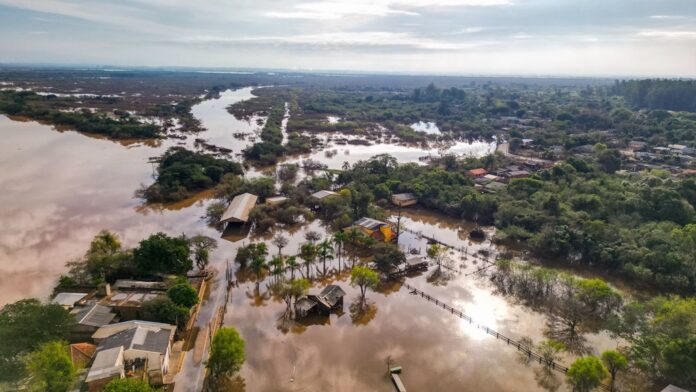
(381, 231)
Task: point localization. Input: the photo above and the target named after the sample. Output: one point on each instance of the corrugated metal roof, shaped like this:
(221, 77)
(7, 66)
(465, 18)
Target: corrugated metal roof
(68, 299)
(322, 194)
(370, 223)
(94, 315)
(111, 329)
(332, 293)
(107, 363)
(139, 338)
(239, 209)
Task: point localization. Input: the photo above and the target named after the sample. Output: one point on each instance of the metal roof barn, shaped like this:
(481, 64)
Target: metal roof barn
(239, 209)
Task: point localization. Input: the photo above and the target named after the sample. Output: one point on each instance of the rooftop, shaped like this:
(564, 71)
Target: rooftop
(107, 363)
(369, 223)
(323, 194)
(478, 172)
(93, 315)
(332, 293)
(111, 329)
(68, 300)
(238, 210)
(403, 196)
(140, 338)
(138, 285)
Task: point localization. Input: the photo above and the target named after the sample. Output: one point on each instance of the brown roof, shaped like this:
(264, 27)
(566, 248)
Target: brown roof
(478, 172)
(82, 352)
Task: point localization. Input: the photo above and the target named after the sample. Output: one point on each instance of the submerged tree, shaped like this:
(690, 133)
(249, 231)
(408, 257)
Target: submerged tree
(325, 251)
(308, 253)
(364, 278)
(202, 245)
(280, 241)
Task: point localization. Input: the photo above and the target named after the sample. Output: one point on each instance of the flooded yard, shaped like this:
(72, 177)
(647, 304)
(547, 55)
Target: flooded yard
(60, 188)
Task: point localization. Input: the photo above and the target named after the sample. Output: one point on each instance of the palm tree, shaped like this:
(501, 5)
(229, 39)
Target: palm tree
(276, 264)
(258, 261)
(308, 253)
(325, 251)
(354, 235)
(280, 242)
(339, 239)
(292, 263)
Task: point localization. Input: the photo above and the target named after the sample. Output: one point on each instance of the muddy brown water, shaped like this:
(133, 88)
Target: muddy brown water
(60, 188)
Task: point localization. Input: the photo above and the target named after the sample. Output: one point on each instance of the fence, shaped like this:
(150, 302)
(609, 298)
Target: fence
(523, 347)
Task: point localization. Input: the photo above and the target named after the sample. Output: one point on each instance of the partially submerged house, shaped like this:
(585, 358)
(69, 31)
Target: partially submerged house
(381, 231)
(329, 300)
(238, 211)
(404, 199)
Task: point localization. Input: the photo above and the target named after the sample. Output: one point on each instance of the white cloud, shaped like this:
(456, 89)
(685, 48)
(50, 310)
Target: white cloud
(335, 9)
(356, 39)
(666, 17)
(668, 34)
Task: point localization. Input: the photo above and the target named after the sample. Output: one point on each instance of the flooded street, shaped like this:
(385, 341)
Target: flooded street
(61, 188)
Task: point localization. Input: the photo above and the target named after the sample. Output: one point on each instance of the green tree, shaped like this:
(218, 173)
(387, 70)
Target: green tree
(163, 254)
(364, 278)
(183, 294)
(202, 245)
(226, 353)
(325, 251)
(163, 310)
(24, 326)
(615, 362)
(292, 263)
(387, 256)
(51, 368)
(308, 253)
(586, 373)
(128, 385)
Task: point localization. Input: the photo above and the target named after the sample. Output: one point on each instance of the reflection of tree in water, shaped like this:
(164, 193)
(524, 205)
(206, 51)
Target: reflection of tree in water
(362, 314)
(227, 384)
(257, 297)
(440, 277)
(387, 287)
(547, 378)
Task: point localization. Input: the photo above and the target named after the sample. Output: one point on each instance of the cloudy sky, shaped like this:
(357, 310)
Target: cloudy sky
(511, 37)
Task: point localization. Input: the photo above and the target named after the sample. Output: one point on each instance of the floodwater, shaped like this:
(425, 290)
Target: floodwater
(60, 188)
(428, 127)
(335, 155)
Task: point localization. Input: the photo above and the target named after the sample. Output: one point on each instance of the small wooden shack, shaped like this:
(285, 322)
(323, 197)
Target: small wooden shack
(404, 199)
(329, 300)
(238, 210)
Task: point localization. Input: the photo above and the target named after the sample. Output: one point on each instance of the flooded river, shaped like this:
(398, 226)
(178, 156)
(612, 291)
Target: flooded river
(60, 188)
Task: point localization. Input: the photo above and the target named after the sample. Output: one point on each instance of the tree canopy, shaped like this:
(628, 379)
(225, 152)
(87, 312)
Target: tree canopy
(226, 352)
(161, 253)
